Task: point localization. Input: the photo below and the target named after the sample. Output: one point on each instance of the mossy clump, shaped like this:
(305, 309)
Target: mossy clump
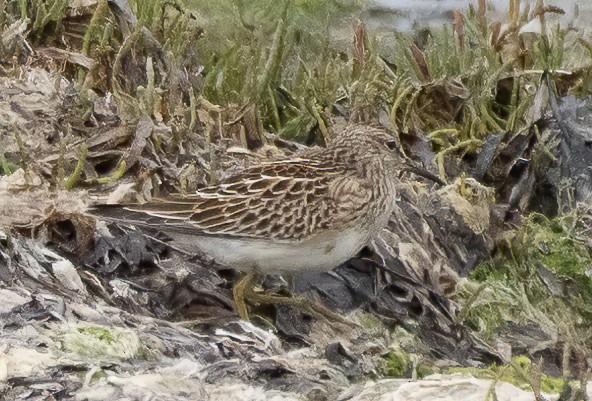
(560, 251)
(400, 364)
(545, 267)
(369, 321)
(539, 280)
(101, 341)
(397, 363)
(6, 168)
(552, 385)
(423, 370)
(401, 361)
(519, 373)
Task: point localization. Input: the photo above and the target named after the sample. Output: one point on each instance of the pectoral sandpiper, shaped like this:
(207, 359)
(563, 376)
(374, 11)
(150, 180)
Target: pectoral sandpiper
(311, 212)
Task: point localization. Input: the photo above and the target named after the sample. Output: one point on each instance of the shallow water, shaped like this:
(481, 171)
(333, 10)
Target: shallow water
(405, 14)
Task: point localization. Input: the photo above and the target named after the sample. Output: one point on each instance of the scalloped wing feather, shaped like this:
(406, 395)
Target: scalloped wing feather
(283, 200)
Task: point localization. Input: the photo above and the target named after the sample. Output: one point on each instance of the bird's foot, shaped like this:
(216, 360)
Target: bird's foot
(305, 304)
(244, 293)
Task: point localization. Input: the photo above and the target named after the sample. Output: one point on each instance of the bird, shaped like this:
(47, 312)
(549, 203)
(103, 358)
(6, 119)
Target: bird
(310, 212)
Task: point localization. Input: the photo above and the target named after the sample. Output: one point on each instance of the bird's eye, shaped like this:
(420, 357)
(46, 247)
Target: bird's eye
(392, 145)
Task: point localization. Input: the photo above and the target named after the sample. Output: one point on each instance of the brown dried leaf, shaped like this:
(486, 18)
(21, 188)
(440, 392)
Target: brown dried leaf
(143, 132)
(548, 10)
(495, 35)
(359, 45)
(482, 7)
(514, 12)
(420, 60)
(459, 28)
(69, 56)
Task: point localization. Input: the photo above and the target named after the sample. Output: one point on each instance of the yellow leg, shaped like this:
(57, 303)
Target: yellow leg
(309, 305)
(242, 291)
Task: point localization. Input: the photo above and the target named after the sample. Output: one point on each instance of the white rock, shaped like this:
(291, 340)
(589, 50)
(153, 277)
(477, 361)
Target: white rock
(66, 273)
(10, 299)
(122, 192)
(443, 388)
(158, 386)
(24, 362)
(243, 392)
(183, 368)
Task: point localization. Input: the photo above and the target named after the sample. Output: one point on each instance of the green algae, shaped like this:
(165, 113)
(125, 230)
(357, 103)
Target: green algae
(519, 372)
(538, 281)
(397, 364)
(101, 341)
(403, 360)
(6, 168)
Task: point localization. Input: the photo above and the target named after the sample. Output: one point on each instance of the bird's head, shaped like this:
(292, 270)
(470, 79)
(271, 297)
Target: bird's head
(374, 149)
(364, 145)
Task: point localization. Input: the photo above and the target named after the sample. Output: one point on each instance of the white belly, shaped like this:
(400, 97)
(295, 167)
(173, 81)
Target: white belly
(319, 253)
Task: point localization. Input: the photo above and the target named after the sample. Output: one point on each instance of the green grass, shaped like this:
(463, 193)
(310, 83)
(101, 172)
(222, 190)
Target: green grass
(541, 280)
(294, 61)
(282, 57)
(6, 168)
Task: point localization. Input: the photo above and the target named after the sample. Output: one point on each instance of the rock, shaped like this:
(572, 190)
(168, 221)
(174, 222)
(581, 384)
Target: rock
(441, 388)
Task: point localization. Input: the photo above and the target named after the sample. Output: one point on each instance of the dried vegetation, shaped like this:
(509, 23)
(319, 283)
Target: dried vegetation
(131, 99)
